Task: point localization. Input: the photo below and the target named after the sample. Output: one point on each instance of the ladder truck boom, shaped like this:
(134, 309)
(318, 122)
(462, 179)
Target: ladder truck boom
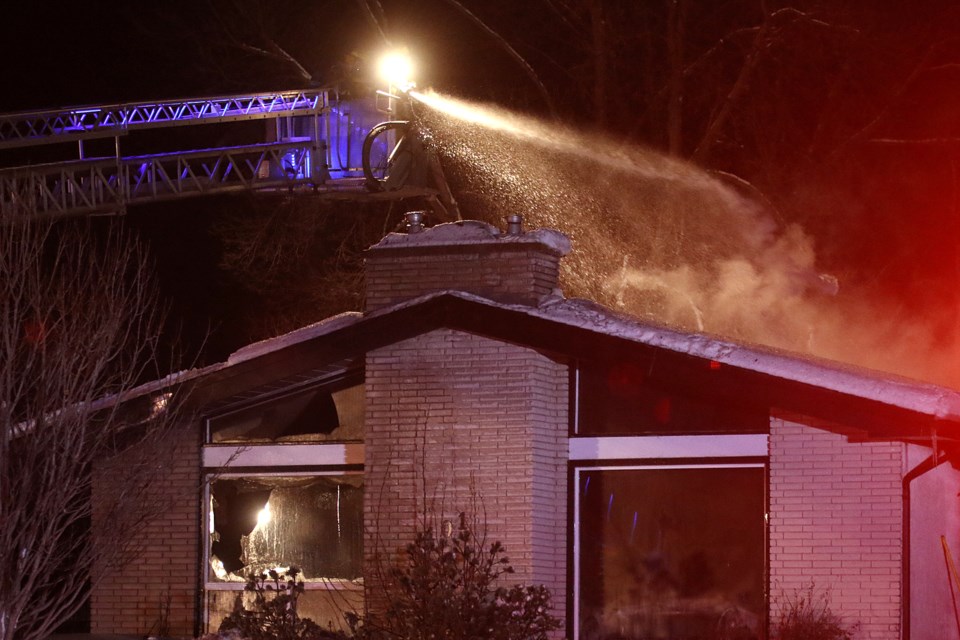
(27, 128)
(312, 140)
(106, 185)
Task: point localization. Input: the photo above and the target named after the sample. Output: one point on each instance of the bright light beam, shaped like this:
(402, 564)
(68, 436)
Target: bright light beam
(397, 69)
(263, 517)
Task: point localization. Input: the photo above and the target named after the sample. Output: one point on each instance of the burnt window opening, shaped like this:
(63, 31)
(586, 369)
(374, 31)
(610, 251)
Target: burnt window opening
(618, 398)
(259, 523)
(321, 414)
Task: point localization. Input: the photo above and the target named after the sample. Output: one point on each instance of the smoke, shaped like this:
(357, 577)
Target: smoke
(763, 298)
(667, 242)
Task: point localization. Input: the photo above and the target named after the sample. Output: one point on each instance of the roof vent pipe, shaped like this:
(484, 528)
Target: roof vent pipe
(414, 221)
(514, 225)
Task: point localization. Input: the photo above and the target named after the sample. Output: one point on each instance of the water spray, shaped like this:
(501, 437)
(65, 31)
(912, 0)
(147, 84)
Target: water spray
(662, 239)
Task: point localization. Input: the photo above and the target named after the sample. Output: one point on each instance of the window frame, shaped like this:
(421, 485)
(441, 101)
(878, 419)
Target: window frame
(578, 426)
(331, 385)
(227, 460)
(578, 466)
(323, 584)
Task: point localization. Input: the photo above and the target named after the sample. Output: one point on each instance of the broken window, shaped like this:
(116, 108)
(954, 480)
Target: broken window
(315, 415)
(670, 552)
(257, 523)
(617, 398)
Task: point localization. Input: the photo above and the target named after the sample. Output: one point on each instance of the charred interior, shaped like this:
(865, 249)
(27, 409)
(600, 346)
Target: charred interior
(315, 415)
(259, 523)
(268, 516)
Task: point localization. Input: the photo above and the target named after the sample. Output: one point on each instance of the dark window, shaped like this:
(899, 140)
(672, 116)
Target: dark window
(616, 398)
(671, 552)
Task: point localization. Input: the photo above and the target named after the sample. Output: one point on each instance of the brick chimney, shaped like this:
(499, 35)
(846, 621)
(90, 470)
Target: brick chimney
(461, 422)
(514, 266)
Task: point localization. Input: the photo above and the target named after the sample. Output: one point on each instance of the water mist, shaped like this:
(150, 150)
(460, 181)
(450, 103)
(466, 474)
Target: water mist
(659, 238)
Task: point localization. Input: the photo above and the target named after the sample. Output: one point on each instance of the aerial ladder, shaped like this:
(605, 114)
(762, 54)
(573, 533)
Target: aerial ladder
(311, 140)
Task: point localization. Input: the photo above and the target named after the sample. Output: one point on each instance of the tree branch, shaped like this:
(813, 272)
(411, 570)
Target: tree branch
(531, 74)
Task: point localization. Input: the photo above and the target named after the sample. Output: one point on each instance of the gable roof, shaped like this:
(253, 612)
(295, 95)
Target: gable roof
(881, 406)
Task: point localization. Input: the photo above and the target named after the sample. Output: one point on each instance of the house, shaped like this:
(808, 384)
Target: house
(661, 484)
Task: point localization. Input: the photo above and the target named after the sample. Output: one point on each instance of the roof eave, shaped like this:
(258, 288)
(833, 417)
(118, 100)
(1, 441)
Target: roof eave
(919, 409)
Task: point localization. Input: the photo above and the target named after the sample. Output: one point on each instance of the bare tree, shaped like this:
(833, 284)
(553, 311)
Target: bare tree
(79, 330)
(300, 258)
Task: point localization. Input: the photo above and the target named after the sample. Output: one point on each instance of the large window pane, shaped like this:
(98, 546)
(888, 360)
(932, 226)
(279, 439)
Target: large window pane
(671, 552)
(313, 522)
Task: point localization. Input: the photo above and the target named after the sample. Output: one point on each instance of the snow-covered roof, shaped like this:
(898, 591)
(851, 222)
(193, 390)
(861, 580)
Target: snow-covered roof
(924, 398)
(328, 325)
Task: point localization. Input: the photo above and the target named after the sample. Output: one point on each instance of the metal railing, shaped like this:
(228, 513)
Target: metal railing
(107, 185)
(28, 128)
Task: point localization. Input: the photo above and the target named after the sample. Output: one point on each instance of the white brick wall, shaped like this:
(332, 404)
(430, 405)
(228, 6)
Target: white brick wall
(835, 522)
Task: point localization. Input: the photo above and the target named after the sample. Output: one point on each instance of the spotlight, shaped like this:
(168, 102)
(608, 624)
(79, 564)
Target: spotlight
(397, 69)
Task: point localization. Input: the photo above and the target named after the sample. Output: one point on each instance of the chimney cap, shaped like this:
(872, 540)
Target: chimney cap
(414, 220)
(473, 232)
(514, 225)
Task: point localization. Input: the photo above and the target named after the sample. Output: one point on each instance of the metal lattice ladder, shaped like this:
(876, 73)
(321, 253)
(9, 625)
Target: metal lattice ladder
(314, 135)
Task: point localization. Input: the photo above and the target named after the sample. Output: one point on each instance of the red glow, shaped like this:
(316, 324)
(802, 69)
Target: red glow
(714, 365)
(624, 378)
(663, 410)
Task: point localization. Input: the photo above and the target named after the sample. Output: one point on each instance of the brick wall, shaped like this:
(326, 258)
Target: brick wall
(133, 596)
(471, 257)
(461, 422)
(835, 521)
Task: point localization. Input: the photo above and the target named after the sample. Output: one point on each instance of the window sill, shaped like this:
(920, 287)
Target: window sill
(312, 585)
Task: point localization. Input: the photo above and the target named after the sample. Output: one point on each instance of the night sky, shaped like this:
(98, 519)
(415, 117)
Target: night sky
(845, 121)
